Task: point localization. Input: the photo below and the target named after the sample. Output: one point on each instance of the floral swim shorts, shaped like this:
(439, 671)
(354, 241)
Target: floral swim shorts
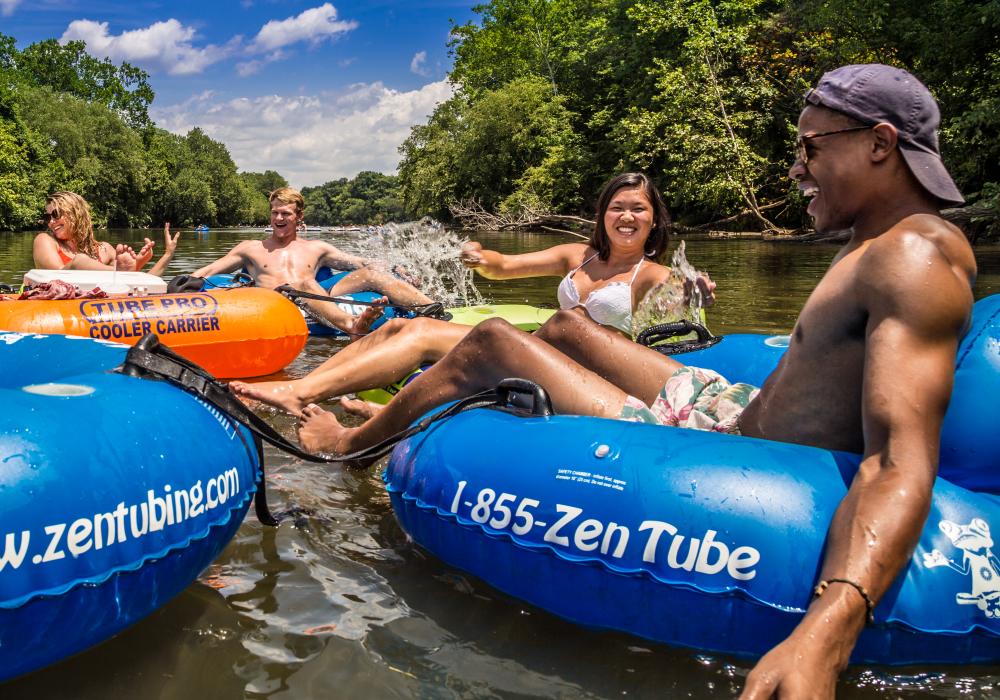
(694, 398)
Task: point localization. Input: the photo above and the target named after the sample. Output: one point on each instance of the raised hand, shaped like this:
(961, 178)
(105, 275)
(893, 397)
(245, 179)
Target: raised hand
(707, 288)
(471, 255)
(169, 242)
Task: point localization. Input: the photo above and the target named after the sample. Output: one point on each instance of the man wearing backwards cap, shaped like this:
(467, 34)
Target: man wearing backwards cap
(880, 333)
(869, 368)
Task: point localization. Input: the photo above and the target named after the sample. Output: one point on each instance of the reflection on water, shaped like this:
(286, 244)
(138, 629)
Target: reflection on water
(337, 602)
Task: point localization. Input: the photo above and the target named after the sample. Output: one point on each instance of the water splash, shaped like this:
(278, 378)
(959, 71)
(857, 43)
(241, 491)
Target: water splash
(428, 252)
(677, 298)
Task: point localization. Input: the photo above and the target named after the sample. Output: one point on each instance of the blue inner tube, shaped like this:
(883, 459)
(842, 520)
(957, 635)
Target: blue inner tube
(115, 494)
(326, 278)
(706, 540)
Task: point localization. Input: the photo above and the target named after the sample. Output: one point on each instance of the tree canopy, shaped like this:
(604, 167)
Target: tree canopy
(70, 121)
(554, 96)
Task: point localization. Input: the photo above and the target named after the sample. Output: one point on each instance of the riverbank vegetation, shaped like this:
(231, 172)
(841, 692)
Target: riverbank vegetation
(551, 97)
(554, 95)
(69, 121)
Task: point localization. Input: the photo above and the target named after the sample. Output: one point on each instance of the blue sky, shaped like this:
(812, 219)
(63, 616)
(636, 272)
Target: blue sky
(315, 90)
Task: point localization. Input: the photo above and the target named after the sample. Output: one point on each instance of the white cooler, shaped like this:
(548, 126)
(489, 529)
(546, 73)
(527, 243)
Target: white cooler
(110, 281)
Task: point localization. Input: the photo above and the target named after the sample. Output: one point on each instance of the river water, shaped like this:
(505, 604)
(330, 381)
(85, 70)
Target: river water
(337, 603)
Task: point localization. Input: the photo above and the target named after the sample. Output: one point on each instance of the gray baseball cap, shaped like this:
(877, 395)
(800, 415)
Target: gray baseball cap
(874, 93)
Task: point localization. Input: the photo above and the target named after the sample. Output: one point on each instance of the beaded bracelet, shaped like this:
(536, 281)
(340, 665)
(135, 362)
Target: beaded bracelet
(821, 587)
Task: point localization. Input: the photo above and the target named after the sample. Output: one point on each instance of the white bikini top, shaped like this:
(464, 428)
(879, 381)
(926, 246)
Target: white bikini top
(610, 305)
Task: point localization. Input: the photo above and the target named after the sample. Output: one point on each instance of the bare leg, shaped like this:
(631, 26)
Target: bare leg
(363, 321)
(600, 350)
(492, 351)
(329, 311)
(367, 279)
(385, 356)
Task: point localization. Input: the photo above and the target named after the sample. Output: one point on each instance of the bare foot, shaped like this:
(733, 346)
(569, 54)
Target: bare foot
(320, 431)
(281, 395)
(125, 258)
(363, 322)
(358, 407)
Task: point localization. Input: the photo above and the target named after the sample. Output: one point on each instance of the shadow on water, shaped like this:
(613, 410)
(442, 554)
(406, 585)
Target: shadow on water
(174, 650)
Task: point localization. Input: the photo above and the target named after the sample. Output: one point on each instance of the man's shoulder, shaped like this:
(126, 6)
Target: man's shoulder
(311, 244)
(248, 244)
(921, 266)
(916, 243)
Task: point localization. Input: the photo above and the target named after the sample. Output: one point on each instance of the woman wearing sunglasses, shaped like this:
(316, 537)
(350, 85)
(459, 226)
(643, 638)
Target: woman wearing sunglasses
(69, 243)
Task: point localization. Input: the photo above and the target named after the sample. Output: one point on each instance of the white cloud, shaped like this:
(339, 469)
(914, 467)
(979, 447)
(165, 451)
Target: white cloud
(247, 68)
(7, 7)
(165, 46)
(314, 138)
(169, 46)
(417, 63)
(313, 25)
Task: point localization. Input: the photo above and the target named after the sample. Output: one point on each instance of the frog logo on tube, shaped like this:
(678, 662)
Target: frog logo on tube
(132, 318)
(978, 560)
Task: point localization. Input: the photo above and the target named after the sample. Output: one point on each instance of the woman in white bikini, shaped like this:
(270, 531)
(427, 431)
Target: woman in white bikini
(606, 278)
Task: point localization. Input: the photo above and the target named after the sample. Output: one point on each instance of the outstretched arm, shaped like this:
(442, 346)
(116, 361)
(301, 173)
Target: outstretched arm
(911, 339)
(551, 262)
(335, 258)
(230, 262)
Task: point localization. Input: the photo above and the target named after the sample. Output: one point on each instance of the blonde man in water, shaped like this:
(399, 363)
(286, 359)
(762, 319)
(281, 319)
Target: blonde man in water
(284, 258)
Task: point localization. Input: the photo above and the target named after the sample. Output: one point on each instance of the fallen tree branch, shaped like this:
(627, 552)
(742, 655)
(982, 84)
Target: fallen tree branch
(472, 215)
(740, 215)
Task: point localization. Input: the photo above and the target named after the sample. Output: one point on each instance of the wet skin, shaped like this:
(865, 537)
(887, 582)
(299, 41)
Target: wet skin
(869, 369)
(283, 258)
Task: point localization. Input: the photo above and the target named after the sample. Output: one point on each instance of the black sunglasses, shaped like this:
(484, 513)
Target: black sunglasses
(49, 215)
(803, 141)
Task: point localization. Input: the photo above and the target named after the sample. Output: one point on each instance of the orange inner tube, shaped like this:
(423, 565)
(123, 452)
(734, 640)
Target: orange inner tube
(232, 333)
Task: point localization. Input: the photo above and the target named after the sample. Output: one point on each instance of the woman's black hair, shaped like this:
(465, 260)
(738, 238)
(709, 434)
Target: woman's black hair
(656, 244)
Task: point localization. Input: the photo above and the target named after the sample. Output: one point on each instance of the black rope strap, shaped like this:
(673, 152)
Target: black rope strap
(432, 310)
(149, 358)
(656, 334)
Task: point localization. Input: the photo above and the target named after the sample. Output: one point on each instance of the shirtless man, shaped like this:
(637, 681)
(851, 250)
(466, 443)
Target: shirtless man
(869, 368)
(284, 258)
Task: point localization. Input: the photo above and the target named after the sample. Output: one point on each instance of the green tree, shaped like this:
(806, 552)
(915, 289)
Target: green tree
(515, 147)
(69, 68)
(265, 182)
(232, 196)
(105, 158)
(367, 198)
(714, 120)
